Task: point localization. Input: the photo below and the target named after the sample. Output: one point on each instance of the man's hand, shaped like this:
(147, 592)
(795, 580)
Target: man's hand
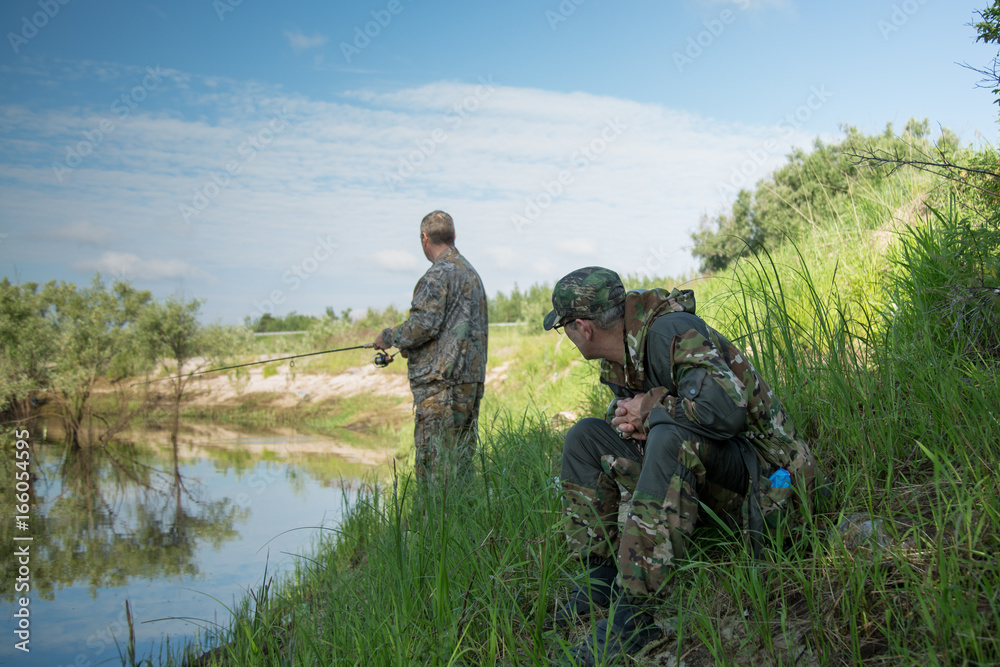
(379, 344)
(627, 420)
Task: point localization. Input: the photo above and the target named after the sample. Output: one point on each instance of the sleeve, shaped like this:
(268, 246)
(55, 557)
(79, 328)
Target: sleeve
(426, 314)
(618, 393)
(709, 395)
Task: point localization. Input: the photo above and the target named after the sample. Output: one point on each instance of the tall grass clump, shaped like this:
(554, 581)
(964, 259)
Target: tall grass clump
(898, 396)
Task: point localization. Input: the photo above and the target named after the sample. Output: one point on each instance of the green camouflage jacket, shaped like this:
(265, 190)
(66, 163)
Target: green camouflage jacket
(445, 336)
(692, 375)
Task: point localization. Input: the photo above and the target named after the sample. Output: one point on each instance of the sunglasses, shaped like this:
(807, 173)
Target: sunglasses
(558, 328)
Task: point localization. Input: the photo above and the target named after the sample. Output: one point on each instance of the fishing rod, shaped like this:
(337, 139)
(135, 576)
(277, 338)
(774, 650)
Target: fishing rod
(381, 359)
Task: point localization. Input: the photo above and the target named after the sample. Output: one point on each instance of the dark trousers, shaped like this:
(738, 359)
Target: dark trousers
(668, 476)
(445, 430)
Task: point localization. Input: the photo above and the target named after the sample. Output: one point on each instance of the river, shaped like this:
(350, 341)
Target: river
(180, 537)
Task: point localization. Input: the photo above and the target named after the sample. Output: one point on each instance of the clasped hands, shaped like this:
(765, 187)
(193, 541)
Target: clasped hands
(627, 420)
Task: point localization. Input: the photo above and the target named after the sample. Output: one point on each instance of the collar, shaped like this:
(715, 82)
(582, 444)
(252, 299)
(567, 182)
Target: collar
(447, 253)
(642, 308)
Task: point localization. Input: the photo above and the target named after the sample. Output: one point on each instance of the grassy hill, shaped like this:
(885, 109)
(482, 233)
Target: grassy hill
(878, 322)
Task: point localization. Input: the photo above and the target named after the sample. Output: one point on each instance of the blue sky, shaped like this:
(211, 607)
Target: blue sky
(279, 156)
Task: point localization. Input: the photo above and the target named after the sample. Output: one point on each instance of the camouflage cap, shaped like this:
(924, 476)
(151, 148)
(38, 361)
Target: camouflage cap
(585, 293)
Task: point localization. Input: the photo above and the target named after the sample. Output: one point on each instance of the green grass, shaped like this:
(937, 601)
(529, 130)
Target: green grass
(878, 332)
(454, 580)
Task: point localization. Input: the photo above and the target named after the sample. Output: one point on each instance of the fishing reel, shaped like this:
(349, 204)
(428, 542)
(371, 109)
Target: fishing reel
(382, 359)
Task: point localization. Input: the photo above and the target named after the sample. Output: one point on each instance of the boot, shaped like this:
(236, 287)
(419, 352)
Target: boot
(597, 592)
(626, 633)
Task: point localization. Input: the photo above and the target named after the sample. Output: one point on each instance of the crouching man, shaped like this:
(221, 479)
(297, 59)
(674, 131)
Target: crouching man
(685, 398)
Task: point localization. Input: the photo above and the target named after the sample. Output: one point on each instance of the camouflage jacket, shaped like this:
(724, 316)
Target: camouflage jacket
(691, 374)
(445, 336)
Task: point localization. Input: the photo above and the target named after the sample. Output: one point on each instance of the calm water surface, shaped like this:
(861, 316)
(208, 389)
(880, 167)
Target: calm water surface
(181, 538)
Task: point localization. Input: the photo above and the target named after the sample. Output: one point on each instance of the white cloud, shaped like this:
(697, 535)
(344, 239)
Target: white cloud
(128, 266)
(579, 247)
(81, 231)
(300, 42)
(397, 261)
(504, 257)
(547, 267)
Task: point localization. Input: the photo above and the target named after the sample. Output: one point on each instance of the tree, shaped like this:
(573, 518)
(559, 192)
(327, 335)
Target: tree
(719, 240)
(171, 330)
(173, 339)
(26, 346)
(785, 205)
(95, 342)
(989, 33)
(268, 323)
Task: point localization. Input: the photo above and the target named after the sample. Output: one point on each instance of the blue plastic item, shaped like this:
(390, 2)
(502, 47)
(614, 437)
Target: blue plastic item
(780, 479)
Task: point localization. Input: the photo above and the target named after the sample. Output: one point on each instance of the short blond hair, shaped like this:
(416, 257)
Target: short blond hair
(439, 227)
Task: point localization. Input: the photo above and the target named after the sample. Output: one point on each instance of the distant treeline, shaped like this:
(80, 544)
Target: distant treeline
(293, 321)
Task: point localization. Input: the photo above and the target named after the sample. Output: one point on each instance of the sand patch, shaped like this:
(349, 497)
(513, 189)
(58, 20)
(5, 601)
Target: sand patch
(293, 388)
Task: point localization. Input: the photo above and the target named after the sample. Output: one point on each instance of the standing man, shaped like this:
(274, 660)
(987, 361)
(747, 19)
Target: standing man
(683, 393)
(444, 341)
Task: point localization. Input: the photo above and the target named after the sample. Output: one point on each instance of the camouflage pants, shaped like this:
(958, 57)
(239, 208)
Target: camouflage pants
(669, 477)
(445, 430)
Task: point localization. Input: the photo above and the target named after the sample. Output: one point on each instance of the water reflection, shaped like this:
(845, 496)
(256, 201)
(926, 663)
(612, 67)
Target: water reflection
(179, 530)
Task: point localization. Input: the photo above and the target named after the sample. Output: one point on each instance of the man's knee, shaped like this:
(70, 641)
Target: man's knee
(666, 441)
(664, 460)
(582, 434)
(581, 461)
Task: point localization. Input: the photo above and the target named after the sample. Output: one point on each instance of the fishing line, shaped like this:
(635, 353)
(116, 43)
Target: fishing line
(381, 360)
